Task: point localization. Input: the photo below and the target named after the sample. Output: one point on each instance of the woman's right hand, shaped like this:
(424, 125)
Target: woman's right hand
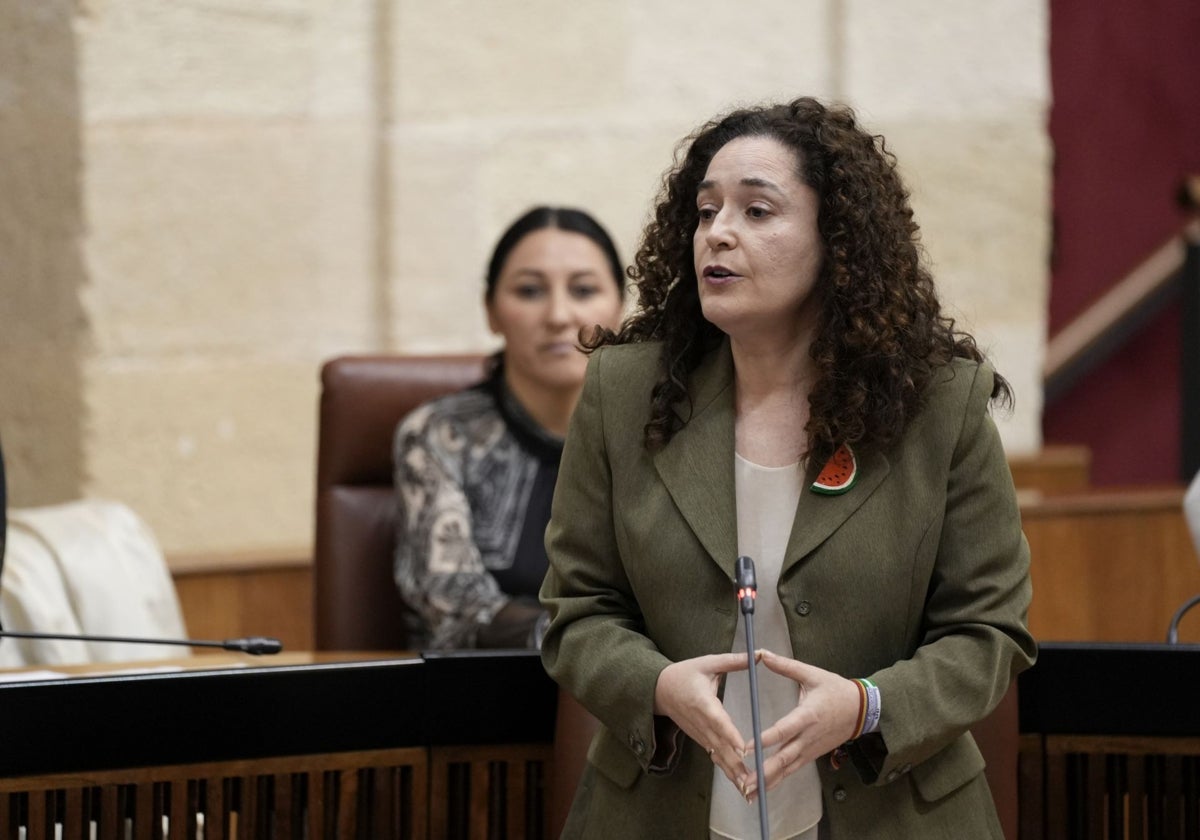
(686, 692)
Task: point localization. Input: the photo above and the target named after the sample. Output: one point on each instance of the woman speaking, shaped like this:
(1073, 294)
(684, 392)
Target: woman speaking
(789, 389)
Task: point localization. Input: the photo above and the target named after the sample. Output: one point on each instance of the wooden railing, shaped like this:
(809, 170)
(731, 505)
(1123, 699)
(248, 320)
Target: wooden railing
(1170, 273)
(1103, 327)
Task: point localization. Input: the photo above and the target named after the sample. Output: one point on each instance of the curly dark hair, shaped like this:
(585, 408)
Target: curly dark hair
(881, 335)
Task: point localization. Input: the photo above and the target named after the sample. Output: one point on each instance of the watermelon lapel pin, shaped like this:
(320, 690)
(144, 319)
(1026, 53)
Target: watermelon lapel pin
(839, 473)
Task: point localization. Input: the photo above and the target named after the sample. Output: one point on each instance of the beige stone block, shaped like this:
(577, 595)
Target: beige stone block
(1016, 349)
(456, 193)
(37, 59)
(347, 275)
(434, 317)
(348, 54)
(438, 252)
(216, 454)
(145, 59)
(981, 192)
(41, 269)
(39, 153)
(697, 59)
(42, 329)
(463, 60)
(613, 173)
(41, 422)
(220, 237)
(939, 58)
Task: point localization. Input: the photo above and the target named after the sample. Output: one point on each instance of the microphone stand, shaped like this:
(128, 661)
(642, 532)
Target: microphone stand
(1173, 628)
(255, 645)
(747, 593)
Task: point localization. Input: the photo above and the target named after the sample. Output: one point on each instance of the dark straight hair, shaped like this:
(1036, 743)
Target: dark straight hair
(560, 218)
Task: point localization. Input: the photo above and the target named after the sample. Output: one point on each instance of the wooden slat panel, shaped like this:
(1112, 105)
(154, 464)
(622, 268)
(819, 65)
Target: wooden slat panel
(316, 804)
(1191, 797)
(112, 821)
(1101, 786)
(281, 805)
(248, 804)
(1057, 796)
(439, 794)
(480, 790)
(1031, 786)
(347, 797)
(234, 799)
(74, 816)
(1094, 789)
(1136, 777)
(1115, 785)
(9, 809)
(178, 812)
(216, 820)
(384, 804)
(1172, 798)
(1155, 786)
(36, 826)
(143, 813)
(517, 792)
(414, 787)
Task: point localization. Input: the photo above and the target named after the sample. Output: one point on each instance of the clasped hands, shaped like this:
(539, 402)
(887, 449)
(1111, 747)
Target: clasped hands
(824, 718)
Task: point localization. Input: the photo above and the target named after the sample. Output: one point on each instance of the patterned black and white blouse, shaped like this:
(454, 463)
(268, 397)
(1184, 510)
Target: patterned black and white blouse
(474, 477)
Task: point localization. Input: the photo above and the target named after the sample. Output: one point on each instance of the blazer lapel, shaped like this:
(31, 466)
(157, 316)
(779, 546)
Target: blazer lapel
(697, 465)
(818, 516)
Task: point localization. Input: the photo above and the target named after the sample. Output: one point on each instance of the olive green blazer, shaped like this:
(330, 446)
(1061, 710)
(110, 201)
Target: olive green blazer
(917, 577)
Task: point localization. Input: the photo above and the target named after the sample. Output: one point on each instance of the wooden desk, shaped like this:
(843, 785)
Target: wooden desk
(458, 746)
(407, 746)
(1110, 566)
(1110, 743)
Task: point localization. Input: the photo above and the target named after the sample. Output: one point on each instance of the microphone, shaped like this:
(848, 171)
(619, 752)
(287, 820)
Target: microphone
(747, 592)
(256, 645)
(1173, 627)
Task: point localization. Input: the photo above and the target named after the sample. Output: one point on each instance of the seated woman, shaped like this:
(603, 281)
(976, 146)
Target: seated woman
(475, 470)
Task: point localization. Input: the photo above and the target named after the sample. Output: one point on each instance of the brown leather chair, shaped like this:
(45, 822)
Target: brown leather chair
(356, 604)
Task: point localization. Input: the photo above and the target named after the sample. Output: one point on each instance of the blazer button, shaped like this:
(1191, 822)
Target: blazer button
(839, 794)
(638, 745)
(803, 608)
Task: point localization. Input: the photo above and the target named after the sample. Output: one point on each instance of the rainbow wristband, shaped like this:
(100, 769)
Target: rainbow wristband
(861, 720)
(874, 709)
(868, 708)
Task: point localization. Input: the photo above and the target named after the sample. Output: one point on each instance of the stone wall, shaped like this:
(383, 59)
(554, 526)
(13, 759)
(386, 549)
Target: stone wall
(224, 194)
(44, 331)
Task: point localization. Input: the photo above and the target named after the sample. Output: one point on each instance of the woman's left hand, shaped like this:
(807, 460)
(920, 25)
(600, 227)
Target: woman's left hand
(825, 717)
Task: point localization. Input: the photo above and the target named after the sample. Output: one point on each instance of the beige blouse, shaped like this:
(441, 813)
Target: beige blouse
(766, 499)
